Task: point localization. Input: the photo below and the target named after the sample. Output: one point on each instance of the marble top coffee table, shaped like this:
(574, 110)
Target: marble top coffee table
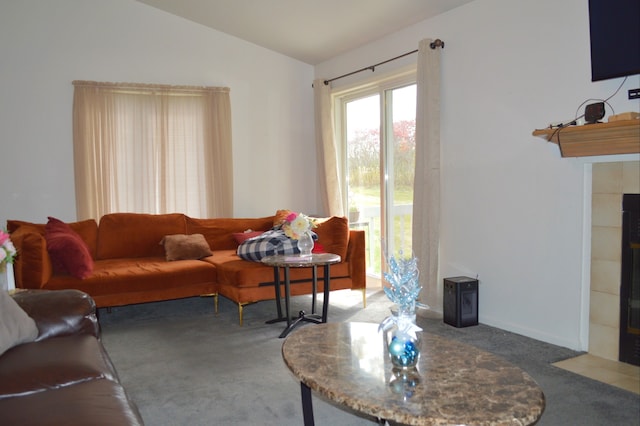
(454, 383)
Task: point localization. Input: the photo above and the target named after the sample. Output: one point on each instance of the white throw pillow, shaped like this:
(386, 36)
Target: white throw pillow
(16, 326)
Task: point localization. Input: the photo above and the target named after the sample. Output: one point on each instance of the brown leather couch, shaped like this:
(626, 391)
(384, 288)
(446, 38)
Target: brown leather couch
(65, 376)
(130, 266)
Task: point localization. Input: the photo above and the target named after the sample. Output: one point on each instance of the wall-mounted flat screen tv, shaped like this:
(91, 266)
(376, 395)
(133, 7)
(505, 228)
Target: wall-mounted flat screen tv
(615, 38)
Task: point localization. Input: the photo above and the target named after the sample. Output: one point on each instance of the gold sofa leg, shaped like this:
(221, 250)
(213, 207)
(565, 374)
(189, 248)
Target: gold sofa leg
(215, 300)
(240, 310)
(364, 297)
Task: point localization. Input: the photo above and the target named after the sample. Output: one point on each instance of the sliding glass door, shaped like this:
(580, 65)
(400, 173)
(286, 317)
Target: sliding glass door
(379, 139)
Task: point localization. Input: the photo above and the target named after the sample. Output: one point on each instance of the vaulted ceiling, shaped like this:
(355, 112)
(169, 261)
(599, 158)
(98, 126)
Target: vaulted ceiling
(310, 31)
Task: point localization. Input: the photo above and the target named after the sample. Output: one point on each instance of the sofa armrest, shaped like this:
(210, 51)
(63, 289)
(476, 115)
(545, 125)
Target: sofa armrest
(356, 256)
(32, 267)
(60, 312)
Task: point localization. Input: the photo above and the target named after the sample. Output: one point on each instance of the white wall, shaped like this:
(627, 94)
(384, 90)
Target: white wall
(45, 45)
(512, 208)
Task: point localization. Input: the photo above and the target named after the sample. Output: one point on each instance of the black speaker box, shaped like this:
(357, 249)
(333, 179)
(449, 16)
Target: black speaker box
(460, 301)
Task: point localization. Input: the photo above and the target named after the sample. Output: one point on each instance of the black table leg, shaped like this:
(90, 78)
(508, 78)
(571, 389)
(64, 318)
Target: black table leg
(287, 300)
(307, 405)
(276, 280)
(287, 295)
(314, 277)
(325, 302)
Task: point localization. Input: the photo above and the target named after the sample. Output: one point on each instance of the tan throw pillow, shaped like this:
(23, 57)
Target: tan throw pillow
(185, 247)
(16, 327)
(280, 217)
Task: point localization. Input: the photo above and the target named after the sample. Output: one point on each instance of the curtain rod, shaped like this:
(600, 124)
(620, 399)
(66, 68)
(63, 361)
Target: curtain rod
(433, 45)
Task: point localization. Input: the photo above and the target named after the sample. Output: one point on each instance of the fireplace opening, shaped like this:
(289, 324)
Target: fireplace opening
(630, 281)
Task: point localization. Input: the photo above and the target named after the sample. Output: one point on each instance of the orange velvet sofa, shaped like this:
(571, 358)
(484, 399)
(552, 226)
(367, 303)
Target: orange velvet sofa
(130, 265)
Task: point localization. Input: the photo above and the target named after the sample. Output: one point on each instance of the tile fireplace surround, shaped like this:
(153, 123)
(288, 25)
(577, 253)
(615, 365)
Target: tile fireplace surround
(609, 182)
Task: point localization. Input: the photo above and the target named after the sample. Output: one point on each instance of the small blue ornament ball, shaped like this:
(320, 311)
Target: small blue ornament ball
(396, 347)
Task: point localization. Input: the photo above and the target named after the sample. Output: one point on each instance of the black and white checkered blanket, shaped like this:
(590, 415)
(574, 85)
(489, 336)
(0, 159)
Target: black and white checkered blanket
(269, 243)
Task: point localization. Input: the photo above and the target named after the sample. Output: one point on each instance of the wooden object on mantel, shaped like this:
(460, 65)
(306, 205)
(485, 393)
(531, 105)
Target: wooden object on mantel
(616, 137)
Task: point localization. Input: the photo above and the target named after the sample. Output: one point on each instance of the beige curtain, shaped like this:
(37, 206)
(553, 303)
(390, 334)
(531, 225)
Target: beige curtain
(152, 149)
(426, 195)
(329, 185)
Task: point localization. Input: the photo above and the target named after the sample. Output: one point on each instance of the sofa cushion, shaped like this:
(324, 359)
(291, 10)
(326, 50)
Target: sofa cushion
(185, 247)
(16, 327)
(241, 237)
(60, 313)
(32, 268)
(152, 275)
(13, 225)
(131, 235)
(235, 272)
(93, 402)
(219, 231)
(51, 363)
(333, 235)
(87, 229)
(68, 252)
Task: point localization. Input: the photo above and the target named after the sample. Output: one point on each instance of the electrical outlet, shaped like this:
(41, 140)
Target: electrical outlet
(634, 93)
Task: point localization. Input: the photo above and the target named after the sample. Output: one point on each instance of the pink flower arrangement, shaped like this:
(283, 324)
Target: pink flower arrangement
(7, 250)
(297, 224)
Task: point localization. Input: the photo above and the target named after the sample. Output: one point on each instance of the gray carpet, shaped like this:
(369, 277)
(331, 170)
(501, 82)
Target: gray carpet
(183, 365)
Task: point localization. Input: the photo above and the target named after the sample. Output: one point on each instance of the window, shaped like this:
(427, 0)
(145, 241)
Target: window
(152, 149)
(376, 126)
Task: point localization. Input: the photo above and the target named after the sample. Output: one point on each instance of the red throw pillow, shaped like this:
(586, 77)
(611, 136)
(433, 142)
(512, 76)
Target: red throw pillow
(318, 248)
(241, 237)
(69, 253)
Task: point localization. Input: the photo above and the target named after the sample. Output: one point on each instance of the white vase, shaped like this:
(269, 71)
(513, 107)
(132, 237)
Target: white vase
(305, 244)
(6, 277)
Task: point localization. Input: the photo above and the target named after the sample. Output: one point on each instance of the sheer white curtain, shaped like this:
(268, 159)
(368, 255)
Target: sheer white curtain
(152, 149)
(426, 192)
(330, 187)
